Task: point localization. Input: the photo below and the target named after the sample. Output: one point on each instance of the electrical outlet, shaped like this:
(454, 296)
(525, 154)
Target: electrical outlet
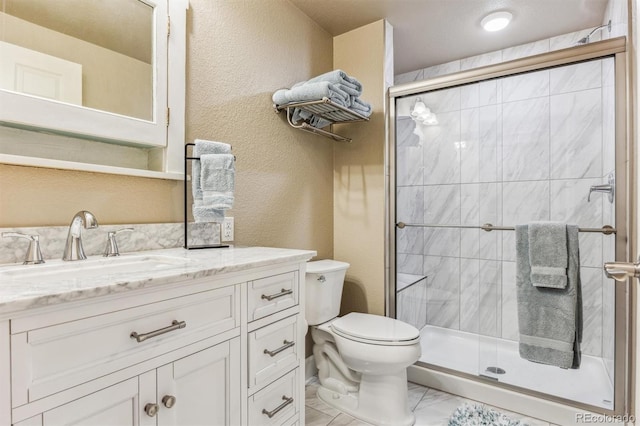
(227, 229)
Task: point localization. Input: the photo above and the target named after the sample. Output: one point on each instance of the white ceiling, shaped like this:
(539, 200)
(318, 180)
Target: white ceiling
(431, 32)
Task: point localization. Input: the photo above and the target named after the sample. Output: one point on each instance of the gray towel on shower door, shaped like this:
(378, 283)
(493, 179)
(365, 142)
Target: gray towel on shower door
(549, 319)
(548, 254)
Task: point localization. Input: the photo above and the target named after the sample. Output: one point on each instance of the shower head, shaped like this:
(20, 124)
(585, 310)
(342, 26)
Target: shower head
(586, 39)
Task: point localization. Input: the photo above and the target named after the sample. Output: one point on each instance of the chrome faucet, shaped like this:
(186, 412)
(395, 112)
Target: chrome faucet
(73, 249)
(112, 244)
(34, 255)
(606, 188)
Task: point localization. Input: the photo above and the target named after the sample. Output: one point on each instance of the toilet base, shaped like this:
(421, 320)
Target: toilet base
(381, 400)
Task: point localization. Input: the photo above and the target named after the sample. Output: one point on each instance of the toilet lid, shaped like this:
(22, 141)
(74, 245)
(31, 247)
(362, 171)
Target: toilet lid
(325, 266)
(375, 328)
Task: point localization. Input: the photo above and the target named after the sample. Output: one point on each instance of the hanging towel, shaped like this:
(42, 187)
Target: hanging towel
(217, 179)
(549, 319)
(204, 214)
(204, 147)
(548, 254)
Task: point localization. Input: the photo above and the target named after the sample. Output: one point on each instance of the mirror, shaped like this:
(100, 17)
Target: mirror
(93, 69)
(93, 53)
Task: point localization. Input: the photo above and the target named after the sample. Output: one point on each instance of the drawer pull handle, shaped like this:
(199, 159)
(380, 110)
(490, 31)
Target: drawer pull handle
(169, 401)
(283, 292)
(275, 352)
(151, 409)
(279, 408)
(175, 325)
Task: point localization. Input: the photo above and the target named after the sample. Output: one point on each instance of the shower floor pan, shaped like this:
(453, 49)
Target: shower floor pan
(473, 354)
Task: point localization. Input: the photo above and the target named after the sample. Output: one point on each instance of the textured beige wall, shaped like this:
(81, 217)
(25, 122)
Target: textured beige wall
(245, 51)
(31, 196)
(359, 174)
(239, 53)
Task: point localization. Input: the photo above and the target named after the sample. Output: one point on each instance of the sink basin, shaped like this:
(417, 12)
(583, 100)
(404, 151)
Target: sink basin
(95, 268)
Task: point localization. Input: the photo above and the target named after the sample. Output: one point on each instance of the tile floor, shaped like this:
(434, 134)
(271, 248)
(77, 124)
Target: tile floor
(431, 407)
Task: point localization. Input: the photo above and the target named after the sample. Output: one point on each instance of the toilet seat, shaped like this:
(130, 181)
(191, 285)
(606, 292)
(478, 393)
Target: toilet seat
(375, 330)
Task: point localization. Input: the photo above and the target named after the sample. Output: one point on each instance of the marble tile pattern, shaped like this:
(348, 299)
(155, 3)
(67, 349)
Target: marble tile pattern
(19, 292)
(506, 151)
(153, 236)
(430, 406)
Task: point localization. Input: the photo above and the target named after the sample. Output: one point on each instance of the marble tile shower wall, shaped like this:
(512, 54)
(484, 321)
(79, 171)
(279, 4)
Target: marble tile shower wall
(506, 151)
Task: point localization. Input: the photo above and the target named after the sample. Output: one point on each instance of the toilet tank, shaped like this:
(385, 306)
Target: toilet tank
(324, 281)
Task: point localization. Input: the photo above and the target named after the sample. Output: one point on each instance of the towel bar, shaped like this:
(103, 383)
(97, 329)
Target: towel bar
(186, 222)
(606, 229)
(327, 110)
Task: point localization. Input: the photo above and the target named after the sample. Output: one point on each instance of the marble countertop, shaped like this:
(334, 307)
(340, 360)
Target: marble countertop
(32, 286)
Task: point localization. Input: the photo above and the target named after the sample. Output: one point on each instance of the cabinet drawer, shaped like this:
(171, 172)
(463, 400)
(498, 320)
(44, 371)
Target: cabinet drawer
(50, 359)
(273, 350)
(272, 294)
(278, 400)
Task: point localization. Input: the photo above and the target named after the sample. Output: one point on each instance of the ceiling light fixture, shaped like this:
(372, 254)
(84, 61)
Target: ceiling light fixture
(496, 21)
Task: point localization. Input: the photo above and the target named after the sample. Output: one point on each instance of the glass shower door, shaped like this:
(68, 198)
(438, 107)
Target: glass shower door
(505, 151)
(445, 188)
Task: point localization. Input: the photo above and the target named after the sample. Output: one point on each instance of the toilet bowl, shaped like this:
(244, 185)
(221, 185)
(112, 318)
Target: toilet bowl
(362, 359)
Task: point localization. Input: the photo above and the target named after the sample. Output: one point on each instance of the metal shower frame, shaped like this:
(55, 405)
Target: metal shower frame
(625, 212)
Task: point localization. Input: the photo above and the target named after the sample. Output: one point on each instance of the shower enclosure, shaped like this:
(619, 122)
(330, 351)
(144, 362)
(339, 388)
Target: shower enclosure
(475, 153)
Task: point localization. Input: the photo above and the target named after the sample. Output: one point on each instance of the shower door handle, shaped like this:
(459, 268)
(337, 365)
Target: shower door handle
(620, 271)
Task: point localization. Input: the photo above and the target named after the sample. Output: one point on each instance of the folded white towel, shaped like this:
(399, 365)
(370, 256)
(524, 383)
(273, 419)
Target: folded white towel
(335, 85)
(204, 147)
(217, 179)
(361, 107)
(203, 214)
(311, 92)
(340, 78)
(280, 97)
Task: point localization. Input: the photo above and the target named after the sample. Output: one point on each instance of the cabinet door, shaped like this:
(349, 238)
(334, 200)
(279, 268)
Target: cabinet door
(201, 389)
(115, 405)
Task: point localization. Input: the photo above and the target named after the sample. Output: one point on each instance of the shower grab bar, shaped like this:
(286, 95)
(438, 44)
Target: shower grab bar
(606, 229)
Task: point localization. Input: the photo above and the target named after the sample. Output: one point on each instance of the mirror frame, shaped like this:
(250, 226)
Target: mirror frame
(34, 112)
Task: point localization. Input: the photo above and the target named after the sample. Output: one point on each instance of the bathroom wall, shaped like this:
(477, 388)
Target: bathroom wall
(466, 171)
(239, 53)
(365, 53)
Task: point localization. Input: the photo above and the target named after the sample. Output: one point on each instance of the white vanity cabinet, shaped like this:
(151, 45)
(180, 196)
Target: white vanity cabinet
(199, 389)
(226, 349)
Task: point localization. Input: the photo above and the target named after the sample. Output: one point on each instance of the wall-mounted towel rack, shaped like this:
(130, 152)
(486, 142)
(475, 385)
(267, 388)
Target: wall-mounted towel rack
(606, 229)
(186, 222)
(325, 109)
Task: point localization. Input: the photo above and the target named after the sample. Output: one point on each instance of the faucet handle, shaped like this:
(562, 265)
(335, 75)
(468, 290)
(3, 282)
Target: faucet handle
(34, 255)
(112, 246)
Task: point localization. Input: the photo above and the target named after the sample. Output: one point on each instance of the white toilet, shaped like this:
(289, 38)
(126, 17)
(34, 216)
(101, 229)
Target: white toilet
(362, 359)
